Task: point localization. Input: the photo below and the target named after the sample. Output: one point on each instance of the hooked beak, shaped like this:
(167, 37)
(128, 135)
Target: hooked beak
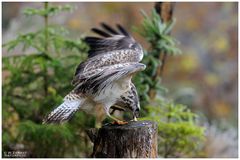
(136, 114)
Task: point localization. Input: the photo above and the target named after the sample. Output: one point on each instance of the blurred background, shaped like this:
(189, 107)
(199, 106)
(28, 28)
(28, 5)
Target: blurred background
(203, 77)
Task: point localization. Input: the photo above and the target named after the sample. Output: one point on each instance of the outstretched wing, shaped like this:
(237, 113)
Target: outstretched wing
(111, 58)
(95, 82)
(111, 40)
(115, 46)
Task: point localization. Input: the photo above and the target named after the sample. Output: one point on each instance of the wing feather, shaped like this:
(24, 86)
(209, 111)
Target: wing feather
(115, 47)
(122, 30)
(112, 40)
(101, 33)
(110, 58)
(95, 83)
(109, 29)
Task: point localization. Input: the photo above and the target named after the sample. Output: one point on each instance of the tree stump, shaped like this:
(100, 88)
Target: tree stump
(132, 140)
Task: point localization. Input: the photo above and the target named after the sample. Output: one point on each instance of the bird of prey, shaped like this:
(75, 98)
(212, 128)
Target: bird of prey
(104, 79)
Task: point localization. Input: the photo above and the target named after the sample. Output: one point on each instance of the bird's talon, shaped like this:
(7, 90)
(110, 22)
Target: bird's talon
(119, 122)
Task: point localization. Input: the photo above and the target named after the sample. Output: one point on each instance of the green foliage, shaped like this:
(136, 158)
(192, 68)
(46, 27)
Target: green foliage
(49, 11)
(35, 83)
(156, 32)
(57, 41)
(157, 35)
(44, 136)
(178, 133)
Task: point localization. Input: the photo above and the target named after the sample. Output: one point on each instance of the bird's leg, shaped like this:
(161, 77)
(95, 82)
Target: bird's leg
(116, 108)
(112, 111)
(116, 121)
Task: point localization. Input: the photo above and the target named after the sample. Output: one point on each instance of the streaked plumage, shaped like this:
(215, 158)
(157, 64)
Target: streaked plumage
(104, 79)
(115, 47)
(129, 101)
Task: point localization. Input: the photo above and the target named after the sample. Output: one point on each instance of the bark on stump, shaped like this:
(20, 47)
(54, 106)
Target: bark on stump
(132, 140)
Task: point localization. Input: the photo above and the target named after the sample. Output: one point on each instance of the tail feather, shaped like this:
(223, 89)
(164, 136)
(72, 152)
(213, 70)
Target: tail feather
(64, 112)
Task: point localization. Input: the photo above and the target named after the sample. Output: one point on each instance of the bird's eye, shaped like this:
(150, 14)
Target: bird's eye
(130, 45)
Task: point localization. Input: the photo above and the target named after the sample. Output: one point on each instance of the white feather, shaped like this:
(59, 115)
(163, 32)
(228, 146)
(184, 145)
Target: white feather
(64, 111)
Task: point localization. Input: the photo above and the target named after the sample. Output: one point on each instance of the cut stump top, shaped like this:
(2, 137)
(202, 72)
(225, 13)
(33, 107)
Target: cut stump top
(131, 125)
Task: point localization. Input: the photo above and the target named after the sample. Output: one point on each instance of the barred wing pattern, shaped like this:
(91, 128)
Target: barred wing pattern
(109, 59)
(95, 82)
(115, 47)
(66, 110)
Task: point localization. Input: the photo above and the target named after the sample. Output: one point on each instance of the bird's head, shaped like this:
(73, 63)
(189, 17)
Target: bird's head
(138, 48)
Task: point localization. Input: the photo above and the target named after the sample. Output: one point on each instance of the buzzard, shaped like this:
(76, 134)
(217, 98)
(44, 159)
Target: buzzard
(104, 79)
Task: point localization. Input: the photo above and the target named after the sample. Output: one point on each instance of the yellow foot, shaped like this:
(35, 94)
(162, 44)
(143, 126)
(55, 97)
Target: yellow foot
(119, 122)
